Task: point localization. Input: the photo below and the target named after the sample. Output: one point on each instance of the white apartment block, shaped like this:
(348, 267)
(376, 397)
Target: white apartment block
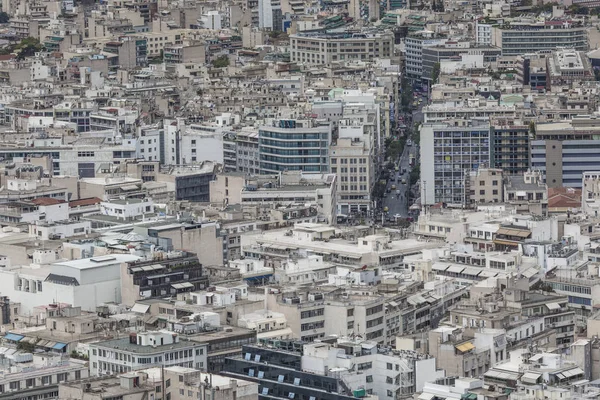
(143, 350)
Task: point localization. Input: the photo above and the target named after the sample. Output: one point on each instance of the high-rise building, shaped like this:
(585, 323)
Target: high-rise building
(294, 145)
(449, 151)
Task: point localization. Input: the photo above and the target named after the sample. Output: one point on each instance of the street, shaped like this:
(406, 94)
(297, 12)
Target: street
(397, 204)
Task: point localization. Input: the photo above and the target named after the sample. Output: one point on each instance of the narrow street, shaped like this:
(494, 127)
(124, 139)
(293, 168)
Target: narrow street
(396, 199)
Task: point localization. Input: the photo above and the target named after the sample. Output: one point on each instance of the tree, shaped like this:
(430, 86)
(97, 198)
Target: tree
(221, 62)
(27, 48)
(415, 174)
(435, 73)
(378, 190)
(4, 17)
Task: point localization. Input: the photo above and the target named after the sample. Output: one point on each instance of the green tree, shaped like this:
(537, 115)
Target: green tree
(221, 62)
(27, 48)
(4, 17)
(435, 73)
(378, 190)
(415, 174)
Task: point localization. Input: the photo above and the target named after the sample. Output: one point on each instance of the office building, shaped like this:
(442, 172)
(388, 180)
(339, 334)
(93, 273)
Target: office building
(143, 350)
(432, 55)
(327, 48)
(527, 36)
(448, 153)
(291, 145)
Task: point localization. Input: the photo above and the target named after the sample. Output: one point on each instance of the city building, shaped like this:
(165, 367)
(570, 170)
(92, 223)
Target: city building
(448, 153)
(143, 350)
(327, 48)
(528, 36)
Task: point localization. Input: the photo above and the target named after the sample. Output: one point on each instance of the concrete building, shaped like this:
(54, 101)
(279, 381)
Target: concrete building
(143, 350)
(327, 48)
(486, 186)
(527, 192)
(308, 153)
(510, 140)
(178, 273)
(86, 283)
(294, 187)
(37, 378)
(567, 67)
(189, 182)
(528, 36)
(590, 193)
(315, 315)
(448, 153)
(387, 374)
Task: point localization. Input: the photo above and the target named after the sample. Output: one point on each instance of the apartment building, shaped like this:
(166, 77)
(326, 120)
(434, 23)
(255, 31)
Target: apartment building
(567, 66)
(528, 36)
(448, 153)
(294, 145)
(179, 273)
(527, 193)
(143, 350)
(415, 44)
(510, 140)
(486, 186)
(327, 48)
(314, 315)
(334, 369)
(39, 381)
(248, 158)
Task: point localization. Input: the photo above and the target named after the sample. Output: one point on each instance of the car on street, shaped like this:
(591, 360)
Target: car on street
(404, 181)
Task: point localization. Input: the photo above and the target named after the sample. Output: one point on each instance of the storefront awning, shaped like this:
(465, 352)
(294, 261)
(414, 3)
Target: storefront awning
(13, 337)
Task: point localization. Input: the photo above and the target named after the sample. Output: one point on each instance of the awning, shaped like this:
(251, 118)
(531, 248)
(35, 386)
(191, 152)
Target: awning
(456, 269)
(505, 242)
(463, 348)
(572, 372)
(520, 233)
(439, 267)
(283, 333)
(530, 377)
(128, 188)
(502, 375)
(528, 273)
(14, 337)
(50, 345)
(140, 308)
(426, 396)
(59, 346)
(472, 271)
(553, 306)
(488, 274)
(184, 285)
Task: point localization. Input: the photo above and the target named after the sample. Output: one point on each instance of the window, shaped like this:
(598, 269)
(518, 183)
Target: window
(390, 393)
(369, 378)
(494, 183)
(168, 383)
(85, 154)
(389, 366)
(389, 380)
(350, 312)
(482, 192)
